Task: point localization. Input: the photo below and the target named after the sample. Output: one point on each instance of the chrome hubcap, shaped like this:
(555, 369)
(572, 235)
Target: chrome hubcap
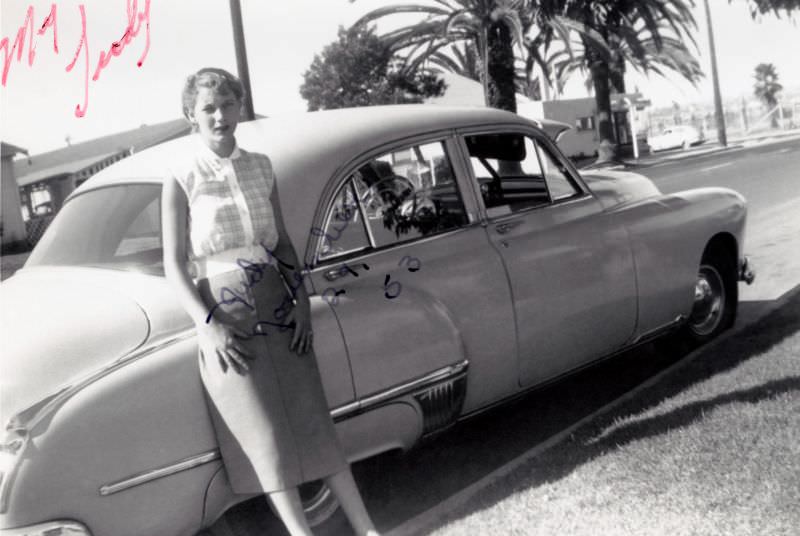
(709, 301)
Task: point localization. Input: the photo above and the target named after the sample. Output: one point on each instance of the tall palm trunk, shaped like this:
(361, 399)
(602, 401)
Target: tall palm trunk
(500, 83)
(602, 94)
(616, 74)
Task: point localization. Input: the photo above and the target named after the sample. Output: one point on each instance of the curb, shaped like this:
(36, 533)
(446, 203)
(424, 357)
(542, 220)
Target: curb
(632, 164)
(423, 521)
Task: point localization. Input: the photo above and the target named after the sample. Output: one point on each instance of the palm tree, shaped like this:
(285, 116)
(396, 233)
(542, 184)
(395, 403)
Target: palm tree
(767, 87)
(492, 27)
(644, 33)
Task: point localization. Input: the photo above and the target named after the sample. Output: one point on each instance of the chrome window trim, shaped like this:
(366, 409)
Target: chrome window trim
(540, 137)
(161, 472)
(343, 173)
(368, 231)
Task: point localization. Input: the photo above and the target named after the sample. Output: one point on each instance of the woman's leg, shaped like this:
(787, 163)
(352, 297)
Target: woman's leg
(289, 508)
(344, 487)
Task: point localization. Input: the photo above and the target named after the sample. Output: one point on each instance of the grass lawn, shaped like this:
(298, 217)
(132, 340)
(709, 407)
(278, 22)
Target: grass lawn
(712, 448)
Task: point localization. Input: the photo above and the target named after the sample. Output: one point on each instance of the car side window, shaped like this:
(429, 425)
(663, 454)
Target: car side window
(144, 233)
(343, 231)
(515, 172)
(555, 174)
(129, 237)
(395, 197)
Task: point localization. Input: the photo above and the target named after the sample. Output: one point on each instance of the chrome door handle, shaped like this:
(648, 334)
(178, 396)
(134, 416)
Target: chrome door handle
(503, 228)
(343, 270)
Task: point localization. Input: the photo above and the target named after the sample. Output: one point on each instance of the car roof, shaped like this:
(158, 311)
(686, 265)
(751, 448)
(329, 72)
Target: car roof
(307, 149)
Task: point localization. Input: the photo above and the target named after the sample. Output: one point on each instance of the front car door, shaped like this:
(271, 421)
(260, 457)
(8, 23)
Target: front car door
(402, 260)
(568, 261)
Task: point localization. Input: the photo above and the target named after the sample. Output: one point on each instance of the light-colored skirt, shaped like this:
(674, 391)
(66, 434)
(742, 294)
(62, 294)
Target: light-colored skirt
(273, 424)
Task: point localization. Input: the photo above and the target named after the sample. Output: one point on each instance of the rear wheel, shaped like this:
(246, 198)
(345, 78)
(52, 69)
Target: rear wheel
(319, 502)
(255, 516)
(715, 298)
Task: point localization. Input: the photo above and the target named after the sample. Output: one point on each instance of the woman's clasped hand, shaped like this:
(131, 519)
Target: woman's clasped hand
(300, 317)
(217, 339)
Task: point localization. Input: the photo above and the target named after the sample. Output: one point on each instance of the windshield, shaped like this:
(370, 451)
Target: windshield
(117, 227)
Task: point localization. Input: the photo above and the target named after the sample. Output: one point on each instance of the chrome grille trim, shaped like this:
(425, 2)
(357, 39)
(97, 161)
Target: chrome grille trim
(442, 375)
(441, 404)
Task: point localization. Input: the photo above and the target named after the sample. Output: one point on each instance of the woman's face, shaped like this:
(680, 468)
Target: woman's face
(216, 116)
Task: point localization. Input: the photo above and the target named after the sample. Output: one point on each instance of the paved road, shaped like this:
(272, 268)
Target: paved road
(766, 174)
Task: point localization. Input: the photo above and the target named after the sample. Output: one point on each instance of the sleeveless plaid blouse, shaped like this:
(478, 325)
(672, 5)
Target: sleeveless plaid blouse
(230, 213)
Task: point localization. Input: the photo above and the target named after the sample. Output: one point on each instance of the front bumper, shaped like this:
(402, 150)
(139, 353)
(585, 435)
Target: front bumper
(746, 271)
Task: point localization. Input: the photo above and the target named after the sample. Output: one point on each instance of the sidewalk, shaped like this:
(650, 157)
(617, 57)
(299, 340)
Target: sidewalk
(708, 148)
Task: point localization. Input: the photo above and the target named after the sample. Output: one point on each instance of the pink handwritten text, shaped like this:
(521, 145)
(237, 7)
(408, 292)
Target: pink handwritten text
(135, 21)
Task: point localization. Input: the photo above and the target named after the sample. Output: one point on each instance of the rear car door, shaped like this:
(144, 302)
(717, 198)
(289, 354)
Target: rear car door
(568, 262)
(402, 260)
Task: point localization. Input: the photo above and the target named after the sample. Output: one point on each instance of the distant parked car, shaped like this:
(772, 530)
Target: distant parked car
(454, 257)
(678, 136)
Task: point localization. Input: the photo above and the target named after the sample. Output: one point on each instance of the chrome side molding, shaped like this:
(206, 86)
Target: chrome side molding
(160, 472)
(441, 394)
(380, 398)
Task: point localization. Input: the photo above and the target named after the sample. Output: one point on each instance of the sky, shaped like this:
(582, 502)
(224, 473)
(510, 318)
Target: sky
(38, 99)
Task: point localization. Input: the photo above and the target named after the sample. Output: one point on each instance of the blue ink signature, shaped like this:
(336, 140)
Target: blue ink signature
(255, 273)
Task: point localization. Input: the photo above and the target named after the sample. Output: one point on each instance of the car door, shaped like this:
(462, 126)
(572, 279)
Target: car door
(405, 265)
(568, 261)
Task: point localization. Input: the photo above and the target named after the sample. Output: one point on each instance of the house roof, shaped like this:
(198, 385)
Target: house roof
(9, 150)
(67, 168)
(65, 160)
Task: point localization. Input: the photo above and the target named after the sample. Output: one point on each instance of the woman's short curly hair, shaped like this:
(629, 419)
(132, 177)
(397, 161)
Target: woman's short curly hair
(218, 79)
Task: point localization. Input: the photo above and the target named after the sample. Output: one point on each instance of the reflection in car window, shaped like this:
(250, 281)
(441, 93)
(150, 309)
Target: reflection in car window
(117, 227)
(344, 230)
(403, 195)
(555, 175)
(511, 174)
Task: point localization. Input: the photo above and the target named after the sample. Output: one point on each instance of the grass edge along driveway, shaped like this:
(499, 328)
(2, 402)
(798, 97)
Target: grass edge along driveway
(713, 447)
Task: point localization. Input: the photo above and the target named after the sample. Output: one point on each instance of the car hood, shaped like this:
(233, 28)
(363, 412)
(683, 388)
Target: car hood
(614, 187)
(59, 325)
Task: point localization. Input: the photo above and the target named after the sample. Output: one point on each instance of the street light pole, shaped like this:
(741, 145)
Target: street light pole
(241, 58)
(720, 116)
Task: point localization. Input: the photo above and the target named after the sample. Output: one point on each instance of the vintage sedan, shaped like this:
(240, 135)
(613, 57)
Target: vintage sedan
(683, 136)
(455, 259)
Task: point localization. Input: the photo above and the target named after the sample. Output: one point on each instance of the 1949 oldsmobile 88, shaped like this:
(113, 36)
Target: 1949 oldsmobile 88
(454, 257)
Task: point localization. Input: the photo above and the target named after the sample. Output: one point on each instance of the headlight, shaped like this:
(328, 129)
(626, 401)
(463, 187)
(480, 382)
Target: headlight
(53, 528)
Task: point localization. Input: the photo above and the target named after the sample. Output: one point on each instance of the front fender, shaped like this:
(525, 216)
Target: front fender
(668, 235)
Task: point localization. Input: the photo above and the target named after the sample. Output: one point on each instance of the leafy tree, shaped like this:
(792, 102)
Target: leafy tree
(358, 69)
(647, 34)
(766, 87)
(760, 7)
(492, 27)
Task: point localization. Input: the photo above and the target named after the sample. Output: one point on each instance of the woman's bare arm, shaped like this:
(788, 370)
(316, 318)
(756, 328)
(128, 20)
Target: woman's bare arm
(301, 314)
(214, 338)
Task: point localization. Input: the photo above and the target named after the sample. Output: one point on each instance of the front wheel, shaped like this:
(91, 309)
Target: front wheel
(715, 300)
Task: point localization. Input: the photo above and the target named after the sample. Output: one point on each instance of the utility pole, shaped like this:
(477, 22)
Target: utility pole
(241, 58)
(720, 115)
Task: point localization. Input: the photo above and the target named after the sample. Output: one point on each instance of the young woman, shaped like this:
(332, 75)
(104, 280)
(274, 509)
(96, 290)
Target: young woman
(227, 255)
